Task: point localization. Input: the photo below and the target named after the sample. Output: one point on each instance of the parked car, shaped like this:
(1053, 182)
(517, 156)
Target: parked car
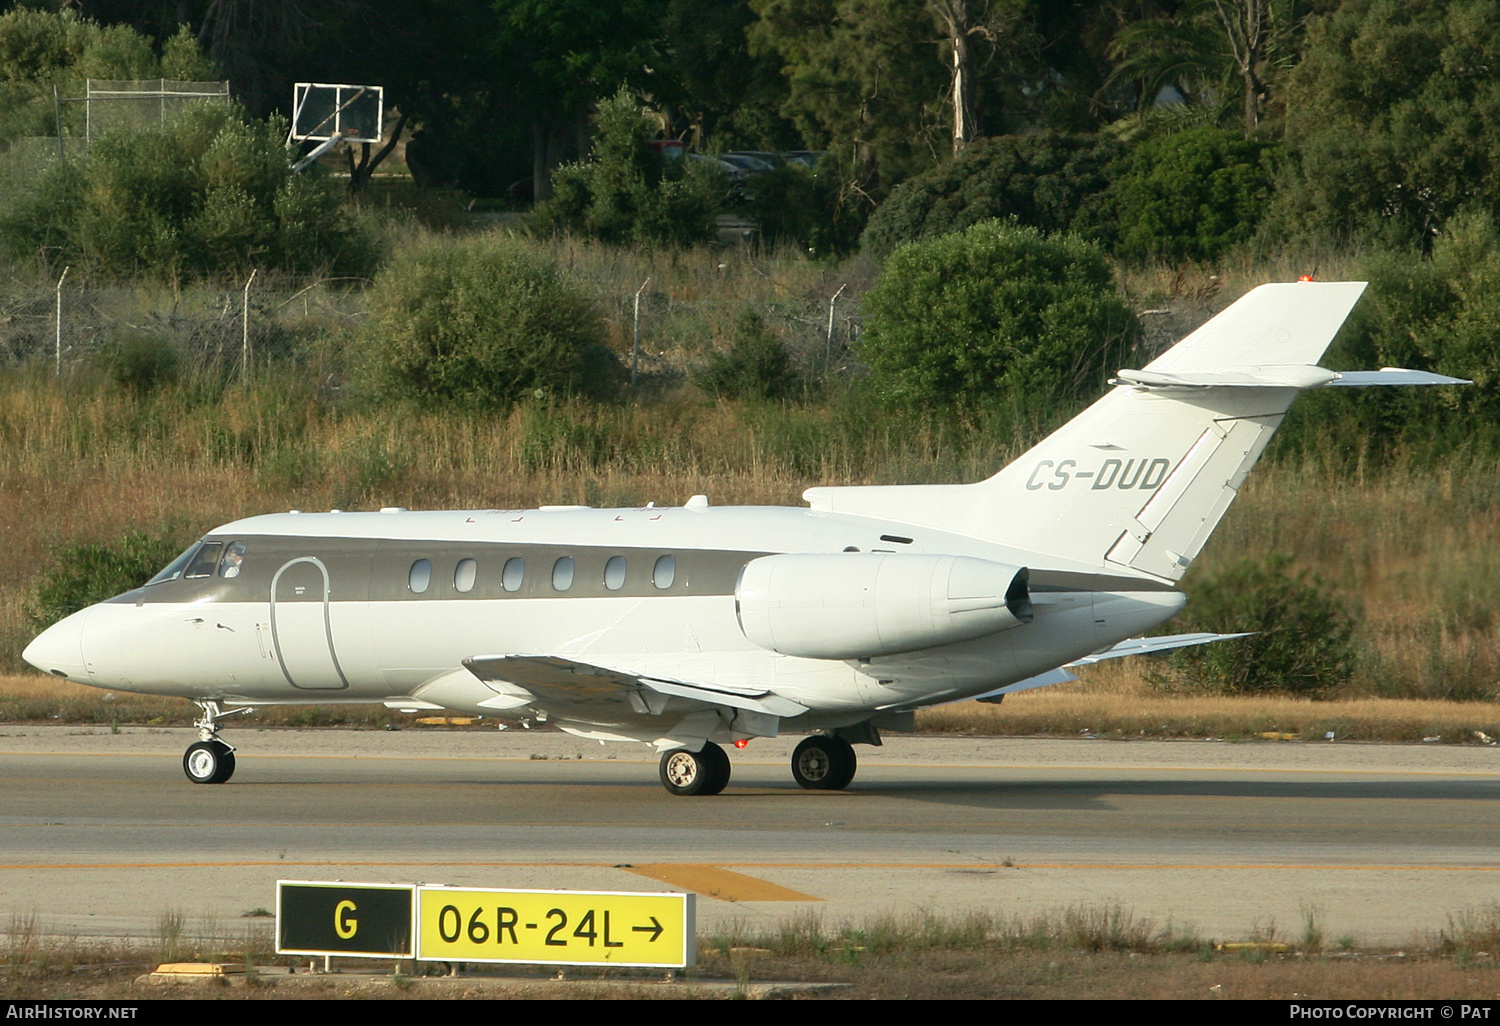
(807, 158)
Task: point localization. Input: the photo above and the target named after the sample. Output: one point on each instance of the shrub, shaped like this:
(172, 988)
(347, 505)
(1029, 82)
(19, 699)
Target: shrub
(1051, 182)
(208, 192)
(756, 365)
(483, 322)
(1304, 640)
(994, 313)
(627, 193)
(1191, 195)
(141, 363)
(84, 574)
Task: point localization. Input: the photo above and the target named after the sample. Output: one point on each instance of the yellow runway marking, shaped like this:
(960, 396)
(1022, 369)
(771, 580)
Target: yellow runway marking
(718, 883)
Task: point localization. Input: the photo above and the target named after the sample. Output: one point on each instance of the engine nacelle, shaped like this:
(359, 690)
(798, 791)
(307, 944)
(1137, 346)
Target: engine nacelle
(856, 605)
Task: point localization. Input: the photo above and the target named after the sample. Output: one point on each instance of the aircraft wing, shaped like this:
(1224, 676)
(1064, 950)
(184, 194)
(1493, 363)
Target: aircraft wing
(561, 684)
(1129, 647)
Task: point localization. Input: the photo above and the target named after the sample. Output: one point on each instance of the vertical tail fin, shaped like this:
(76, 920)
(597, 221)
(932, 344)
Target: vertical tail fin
(1139, 480)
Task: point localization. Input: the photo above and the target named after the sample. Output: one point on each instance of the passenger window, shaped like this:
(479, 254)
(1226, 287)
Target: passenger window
(465, 574)
(664, 572)
(203, 563)
(614, 573)
(234, 559)
(562, 574)
(420, 576)
(513, 574)
(173, 570)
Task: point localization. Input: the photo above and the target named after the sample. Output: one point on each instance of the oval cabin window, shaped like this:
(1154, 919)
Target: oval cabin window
(664, 572)
(513, 574)
(614, 573)
(465, 574)
(420, 576)
(562, 574)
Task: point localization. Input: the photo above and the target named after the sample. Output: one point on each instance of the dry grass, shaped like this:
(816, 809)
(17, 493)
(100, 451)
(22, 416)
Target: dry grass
(1078, 952)
(1115, 700)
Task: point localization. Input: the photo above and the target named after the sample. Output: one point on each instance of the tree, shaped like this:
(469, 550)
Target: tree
(1394, 113)
(1209, 50)
(208, 192)
(996, 26)
(717, 92)
(994, 314)
(1051, 182)
(567, 54)
(627, 193)
(861, 82)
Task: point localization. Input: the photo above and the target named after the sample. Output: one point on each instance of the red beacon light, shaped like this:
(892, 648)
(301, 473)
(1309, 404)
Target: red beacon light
(1305, 277)
(742, 742)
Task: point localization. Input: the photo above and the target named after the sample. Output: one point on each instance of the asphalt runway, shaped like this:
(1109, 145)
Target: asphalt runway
(101, 834)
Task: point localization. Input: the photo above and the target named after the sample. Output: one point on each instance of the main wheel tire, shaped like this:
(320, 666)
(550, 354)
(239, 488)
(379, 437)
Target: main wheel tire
(823, 763)
(208, 762)
(689, 773)
(721, 767)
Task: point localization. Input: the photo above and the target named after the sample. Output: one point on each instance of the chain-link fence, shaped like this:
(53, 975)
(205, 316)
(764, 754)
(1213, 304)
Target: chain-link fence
(676, 334)
(207, 325)
(135, 106)
(266, 319)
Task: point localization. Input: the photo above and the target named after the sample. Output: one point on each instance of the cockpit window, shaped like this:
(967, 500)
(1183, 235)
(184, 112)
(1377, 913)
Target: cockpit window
(203, 562)
(234, 559)
(174, 569)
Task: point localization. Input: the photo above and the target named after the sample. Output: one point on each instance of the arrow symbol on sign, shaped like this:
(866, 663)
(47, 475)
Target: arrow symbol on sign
(654, 929)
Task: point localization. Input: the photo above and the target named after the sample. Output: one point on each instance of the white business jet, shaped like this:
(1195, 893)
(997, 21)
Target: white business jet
(691, 627)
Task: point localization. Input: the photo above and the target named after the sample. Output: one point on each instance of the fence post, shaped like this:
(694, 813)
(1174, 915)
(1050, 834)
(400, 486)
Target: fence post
(245, 332)
(635, 345)
(57, 110)
(828, 346)
(57, 336)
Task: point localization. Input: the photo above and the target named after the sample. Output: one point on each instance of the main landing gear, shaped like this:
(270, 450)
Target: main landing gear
(820, 763)
(824, 763)
(704, 772)
(210, 761)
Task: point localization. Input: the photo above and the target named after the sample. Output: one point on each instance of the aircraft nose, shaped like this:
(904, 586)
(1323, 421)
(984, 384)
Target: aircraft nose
(58, 650)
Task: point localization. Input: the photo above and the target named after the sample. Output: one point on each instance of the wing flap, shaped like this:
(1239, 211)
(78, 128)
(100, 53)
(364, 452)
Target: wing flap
(557, 681)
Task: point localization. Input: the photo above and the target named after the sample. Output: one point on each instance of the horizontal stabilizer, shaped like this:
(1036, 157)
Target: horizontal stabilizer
(1298, 376)
(554, 679)
(1145, 646)
(1129, 647)
(1393, 376)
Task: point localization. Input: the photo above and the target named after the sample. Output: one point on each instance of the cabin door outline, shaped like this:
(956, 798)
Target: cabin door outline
(302, 628)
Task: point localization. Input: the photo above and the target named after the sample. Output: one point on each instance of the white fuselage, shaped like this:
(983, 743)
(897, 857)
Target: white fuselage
(325, 609)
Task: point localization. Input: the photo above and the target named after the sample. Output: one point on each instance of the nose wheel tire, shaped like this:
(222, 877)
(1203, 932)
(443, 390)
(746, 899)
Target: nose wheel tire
(209, 762)
(824, 763)
(689, 773)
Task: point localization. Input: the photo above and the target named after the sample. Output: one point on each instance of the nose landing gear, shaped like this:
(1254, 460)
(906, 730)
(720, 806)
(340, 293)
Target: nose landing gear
(210, 761)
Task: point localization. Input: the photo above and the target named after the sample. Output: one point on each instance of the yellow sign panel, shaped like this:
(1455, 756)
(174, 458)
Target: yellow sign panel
(559, 927)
